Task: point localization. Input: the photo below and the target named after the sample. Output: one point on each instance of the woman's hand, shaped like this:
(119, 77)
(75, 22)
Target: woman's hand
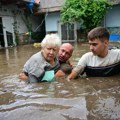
(22, 76)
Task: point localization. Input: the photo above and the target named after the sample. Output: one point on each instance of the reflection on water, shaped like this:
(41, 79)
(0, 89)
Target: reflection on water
(82, 99)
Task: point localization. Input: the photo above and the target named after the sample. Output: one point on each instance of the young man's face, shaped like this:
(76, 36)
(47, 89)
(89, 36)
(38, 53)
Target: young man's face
(98, 47)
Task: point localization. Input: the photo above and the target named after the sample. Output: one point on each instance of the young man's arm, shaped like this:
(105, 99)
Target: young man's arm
(75, 72)
(73, 75)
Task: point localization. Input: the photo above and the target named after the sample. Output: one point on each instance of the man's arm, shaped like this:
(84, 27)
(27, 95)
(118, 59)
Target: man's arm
(72, 75)
(75, 72)
(59, 73)
(65, 69)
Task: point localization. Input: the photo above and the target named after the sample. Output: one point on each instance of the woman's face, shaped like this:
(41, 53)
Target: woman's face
(50, 52)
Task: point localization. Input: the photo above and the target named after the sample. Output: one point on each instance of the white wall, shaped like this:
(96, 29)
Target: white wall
(21, 25)
(35, 20)
(6, 13)
(112, 18)
(52, 21)
(7, 26)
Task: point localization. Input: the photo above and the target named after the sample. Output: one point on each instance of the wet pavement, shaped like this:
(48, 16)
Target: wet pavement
(81, 99)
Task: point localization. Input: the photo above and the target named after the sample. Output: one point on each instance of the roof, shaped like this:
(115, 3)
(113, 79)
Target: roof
(50, 5)
(114, 2)
(46, 5)
(55, 5)
(7, 2)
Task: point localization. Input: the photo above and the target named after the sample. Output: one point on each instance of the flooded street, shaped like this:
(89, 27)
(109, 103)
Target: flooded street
(91, 98)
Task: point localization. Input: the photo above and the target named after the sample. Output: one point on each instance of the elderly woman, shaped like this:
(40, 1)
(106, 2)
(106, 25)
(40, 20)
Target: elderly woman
(43, 62)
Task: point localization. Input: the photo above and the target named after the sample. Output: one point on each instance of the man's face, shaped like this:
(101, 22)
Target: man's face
(98, 47)
(64, 53)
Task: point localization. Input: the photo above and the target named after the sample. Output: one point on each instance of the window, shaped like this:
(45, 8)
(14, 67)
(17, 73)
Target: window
(67, 32)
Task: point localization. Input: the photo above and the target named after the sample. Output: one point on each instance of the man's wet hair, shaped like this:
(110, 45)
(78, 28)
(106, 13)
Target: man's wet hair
(100, 33)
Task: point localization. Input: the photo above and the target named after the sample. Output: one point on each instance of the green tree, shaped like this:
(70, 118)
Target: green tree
(88, 13)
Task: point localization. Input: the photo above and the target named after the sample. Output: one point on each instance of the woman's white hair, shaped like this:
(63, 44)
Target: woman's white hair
(51, 39)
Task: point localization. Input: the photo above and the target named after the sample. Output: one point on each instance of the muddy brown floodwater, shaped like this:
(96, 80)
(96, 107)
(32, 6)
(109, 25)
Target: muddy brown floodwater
(81, 99)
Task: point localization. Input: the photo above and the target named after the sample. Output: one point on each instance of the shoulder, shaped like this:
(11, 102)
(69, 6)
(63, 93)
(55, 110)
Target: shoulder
(85, 58)
(87, 55)
(36, 56)
(115, 52)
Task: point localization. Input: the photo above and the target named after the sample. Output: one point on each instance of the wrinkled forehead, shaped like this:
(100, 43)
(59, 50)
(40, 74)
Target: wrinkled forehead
(54, 47)
(51, 45)
(66, 47)
(65, 50)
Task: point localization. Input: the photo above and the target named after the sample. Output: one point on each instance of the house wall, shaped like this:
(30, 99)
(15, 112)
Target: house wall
(7, 15)
(8, 18)
(53, 25)
(21, 25)
(113, 17)
(112, 20)
(52, 22)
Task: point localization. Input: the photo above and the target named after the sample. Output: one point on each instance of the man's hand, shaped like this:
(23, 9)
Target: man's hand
(22, 76)
(59, 73)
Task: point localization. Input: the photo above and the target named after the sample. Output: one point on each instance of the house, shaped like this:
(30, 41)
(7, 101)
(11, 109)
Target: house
(70, 32)
(45, 20)
(112, 20)
(51, 10)
(13, 23)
